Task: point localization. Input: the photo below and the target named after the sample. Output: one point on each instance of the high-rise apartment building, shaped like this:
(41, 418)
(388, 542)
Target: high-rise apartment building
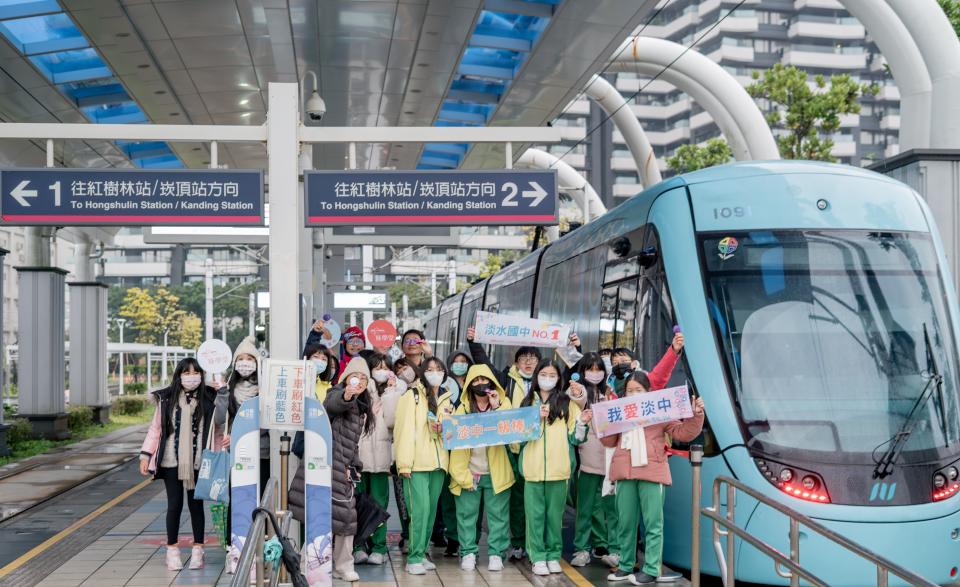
(818, 36)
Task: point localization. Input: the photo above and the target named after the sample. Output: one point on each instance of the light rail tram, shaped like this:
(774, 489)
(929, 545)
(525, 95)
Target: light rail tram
(821, 329)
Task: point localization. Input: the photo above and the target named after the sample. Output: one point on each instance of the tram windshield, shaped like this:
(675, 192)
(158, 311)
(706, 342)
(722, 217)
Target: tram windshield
(823, 334)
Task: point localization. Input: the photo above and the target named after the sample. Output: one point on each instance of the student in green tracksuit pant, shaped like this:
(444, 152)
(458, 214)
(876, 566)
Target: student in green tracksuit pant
(640, 469)
(546, 464)
(421, 458)
(482, 476)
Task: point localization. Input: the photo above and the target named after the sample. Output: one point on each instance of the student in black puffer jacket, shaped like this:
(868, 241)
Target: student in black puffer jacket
(349, 407)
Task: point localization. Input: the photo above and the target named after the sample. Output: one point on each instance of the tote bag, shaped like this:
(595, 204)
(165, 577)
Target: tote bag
(213, 480)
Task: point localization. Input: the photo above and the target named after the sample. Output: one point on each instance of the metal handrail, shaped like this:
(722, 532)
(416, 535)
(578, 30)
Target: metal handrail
(253, 546)
(794, 571)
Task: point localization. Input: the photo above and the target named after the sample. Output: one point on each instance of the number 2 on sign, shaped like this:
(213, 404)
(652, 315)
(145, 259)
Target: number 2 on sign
(512, 189)
(56, 193)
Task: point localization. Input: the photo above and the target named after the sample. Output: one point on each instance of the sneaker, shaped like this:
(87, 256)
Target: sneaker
(360, 557)
(495, 564)
(642, 578)
(668, 576)
(540, 568)
(517, 553)
(619, 575)
(468, 562)
(600, 552)
(428, 564)
(416, 569)
(554, 567)
(233, 561)
(453, 549)
(581, 558)
(376, 558)
(196, 558)
(174, 563)
(350, 576)
(612, 560)
(404, 546)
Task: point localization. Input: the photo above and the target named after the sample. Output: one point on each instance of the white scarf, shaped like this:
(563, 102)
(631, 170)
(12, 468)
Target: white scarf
(636, 442)
(185, 453)
(245, 390)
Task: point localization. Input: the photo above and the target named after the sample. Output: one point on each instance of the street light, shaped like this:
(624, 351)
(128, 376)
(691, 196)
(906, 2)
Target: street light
(120, 322)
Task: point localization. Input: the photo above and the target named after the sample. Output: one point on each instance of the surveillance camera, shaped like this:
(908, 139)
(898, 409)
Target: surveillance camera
(316, 107)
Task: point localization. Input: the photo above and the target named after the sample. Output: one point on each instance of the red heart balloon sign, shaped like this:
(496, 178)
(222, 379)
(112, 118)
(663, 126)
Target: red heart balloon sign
(381, 334)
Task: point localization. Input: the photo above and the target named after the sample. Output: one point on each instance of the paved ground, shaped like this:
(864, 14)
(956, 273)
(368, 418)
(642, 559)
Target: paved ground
(94, 521)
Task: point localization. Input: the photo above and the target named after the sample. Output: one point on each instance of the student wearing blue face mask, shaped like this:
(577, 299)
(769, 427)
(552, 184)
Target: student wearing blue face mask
(458, 363)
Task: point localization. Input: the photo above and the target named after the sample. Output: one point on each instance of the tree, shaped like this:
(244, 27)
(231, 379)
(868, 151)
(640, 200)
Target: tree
(190, 331)
(142, 314)
(692, 157)
(952, 9)
(808, 114)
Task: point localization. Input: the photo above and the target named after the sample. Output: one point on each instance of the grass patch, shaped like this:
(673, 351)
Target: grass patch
(25, 448)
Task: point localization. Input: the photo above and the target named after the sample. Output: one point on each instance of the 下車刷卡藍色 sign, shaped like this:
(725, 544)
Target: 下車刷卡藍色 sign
(419, 197)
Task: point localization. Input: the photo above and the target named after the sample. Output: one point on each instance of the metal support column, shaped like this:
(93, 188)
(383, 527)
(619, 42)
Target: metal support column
(88, 348)
(285, 222)
(41, 368)
(208, 301)
(4, 448)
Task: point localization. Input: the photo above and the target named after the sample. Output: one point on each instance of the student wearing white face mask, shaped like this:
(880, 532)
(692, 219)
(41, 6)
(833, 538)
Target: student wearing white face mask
(421, 458)
(172, 448)
(376, 454)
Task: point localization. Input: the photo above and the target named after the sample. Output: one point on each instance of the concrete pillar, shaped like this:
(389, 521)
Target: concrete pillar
(88, 348)
(41, 368)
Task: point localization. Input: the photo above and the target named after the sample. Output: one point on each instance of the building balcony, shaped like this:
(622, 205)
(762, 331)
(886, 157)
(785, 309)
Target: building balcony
(581, 107)
(828, 4)
(891, 151)
(661, 112)
(670, 29)
(844, 149)
(739, 24)
(727, 53)
(622, 164)
(849, 120)
(414, 267)
(701, 119)
(889, 93)
(826, 30)
(820, 60)
(890, 122)
(669, 137)
(136, 269)
(626, 190)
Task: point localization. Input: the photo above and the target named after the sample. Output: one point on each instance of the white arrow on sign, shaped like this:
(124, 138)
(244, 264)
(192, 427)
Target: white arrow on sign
(537, 193)
(20, 193)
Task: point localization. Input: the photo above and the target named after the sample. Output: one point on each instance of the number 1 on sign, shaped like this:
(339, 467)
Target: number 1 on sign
(56, 193)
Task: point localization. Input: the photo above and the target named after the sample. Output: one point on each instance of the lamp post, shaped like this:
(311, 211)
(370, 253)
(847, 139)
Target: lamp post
(120, 322)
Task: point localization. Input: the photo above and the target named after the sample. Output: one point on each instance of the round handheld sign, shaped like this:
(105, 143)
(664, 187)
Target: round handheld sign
(330, 332)
(214, 356)
(381, 333)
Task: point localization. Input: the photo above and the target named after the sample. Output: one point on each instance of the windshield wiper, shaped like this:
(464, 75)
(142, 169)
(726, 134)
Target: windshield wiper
(884, 466)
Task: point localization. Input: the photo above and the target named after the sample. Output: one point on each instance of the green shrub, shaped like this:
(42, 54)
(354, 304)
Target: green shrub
(79, 417)
(130, 405)
(20, 431)
(135, 388)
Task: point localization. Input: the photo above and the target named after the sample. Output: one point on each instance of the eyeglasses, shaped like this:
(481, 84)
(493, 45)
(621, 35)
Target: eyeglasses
(412, 342)
(527, 359)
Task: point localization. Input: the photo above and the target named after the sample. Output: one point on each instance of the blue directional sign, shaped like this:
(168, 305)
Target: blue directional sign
(131, 197)
(418, 197)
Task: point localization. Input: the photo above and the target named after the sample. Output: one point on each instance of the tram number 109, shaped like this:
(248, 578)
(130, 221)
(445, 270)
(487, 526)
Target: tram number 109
(731, 212)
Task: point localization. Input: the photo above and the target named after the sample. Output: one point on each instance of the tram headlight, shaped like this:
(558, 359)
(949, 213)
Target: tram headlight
(810, 483)
(939, 481)
(786, 475)
(952, 473)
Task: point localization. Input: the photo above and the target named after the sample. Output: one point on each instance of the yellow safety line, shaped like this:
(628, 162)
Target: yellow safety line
(70, 529)
(571, 573)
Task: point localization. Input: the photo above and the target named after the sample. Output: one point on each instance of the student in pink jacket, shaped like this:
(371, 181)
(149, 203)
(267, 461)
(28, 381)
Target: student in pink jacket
(640, 469)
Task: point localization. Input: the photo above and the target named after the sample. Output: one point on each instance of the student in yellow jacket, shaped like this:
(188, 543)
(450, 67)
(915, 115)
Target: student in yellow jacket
(547, 463)
(421, 458)
(482, 475)
(326, 367)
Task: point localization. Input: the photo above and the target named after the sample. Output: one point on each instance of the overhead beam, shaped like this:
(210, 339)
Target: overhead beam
(430, 134)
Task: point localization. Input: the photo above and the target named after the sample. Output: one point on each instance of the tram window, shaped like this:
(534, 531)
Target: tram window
(608, 318)
(627, 315)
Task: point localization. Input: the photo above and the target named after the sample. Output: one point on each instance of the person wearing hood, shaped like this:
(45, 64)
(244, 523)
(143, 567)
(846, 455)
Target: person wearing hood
(482, 475)
(376, 453)
(420, 456)
(244, 383)
(516, 380)
(353, 343)
(349, 405)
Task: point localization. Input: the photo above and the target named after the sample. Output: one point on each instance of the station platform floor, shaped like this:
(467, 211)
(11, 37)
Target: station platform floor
(108, 531)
